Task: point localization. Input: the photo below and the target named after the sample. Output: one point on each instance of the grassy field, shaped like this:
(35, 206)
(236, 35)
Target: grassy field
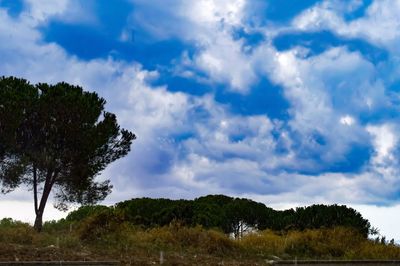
(94, 239)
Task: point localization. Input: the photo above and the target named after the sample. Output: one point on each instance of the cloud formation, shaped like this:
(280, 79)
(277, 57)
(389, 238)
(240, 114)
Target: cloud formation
(174, 74)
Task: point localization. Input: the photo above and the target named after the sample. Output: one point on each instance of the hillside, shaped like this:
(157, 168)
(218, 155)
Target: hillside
(108, 233)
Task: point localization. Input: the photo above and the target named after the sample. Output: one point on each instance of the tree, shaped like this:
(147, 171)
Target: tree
(57, 138)
(325, 216)
(209, 211)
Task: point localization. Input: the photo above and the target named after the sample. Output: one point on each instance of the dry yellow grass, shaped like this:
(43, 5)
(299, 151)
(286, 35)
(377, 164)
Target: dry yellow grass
(109, 239)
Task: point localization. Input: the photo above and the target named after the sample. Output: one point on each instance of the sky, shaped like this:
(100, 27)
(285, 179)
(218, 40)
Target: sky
(286, 102)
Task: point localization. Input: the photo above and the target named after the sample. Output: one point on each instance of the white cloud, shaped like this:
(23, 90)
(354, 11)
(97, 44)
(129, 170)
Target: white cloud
(347, 120)
(222, 152)
(320, 89)
(41, 10)
(214, 12)
(220, 56)
(380, 25)
(385, 140)
(153, 113)
(327, 94)
(223, 60)
(318, 17)
(208, 25)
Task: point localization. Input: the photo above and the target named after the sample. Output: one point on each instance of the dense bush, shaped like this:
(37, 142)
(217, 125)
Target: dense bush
(100, 224)
(17, 232)
(84, 212)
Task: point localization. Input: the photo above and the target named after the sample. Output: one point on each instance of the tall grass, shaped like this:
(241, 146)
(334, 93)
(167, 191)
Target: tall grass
(16, 232)
(335, 243)
(106, 236)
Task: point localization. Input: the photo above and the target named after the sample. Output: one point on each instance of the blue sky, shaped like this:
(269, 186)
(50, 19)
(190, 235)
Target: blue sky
(285, 102)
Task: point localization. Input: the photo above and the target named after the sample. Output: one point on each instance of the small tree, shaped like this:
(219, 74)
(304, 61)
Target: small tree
(57, 138)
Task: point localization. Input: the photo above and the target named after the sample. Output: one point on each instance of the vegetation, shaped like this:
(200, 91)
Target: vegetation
(236, 216)
(56, 137)
(200, 231)
(103, 235)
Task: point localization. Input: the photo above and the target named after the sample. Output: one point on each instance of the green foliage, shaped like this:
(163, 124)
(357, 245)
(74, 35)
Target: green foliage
(322, 216)
(61, 225)
(195, 238)
(85, 211)
(210, 213)
(57, 136)
(106, 235)
(17, 99)
(323, 243)
(214, 211)
(334, 243)
(101, 224)
(155, 212)
(265, 243)
(12, 231)
(237, 216)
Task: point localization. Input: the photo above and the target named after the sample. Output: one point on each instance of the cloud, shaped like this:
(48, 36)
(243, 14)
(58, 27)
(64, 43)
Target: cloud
(224, 62)
(347, 120)
(317, 87)
(42, 10)
(192, 145)
(207, 25)
(146, 110)
(384, 142)
(379, 25)
(220, 55)
(321, 92)
(155, 114)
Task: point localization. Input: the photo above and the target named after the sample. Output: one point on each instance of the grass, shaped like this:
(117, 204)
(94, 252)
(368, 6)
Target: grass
(106, 237)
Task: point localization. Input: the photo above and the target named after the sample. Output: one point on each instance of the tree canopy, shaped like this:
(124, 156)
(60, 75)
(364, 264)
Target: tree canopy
(236, 215)
(57, 138)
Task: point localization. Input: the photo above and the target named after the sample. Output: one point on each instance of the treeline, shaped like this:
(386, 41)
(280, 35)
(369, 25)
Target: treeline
(229, 215)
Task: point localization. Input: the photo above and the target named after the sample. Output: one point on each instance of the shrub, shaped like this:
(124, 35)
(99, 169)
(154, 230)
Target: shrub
(16, 232)
(100, 224)
(84, 212)
(189, 238)
(59, 226)
(264, 242)
(323, 243)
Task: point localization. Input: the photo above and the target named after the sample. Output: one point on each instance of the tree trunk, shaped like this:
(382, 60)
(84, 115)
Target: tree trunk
(50, 179)
(38, 222)
(35, 198)
(39, 214)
